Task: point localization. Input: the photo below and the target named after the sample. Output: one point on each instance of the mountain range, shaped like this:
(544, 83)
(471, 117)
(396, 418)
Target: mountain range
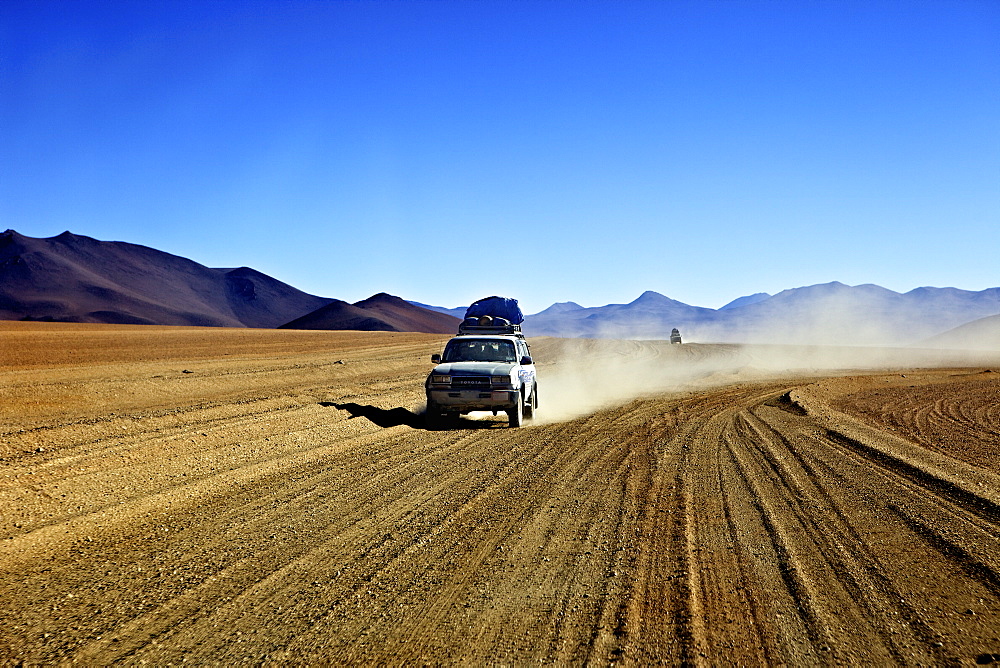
(829, 313)
(74, 278)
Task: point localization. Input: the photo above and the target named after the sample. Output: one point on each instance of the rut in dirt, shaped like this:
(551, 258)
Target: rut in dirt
(292, 510)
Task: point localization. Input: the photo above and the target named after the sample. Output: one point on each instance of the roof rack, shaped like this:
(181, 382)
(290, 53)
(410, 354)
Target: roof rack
(488, 325)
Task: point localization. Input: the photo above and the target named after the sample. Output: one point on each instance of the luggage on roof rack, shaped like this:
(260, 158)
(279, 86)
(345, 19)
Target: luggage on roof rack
(497, 307)
(487, 324)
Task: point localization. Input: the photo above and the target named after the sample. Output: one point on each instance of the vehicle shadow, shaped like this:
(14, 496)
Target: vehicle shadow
(395, 417)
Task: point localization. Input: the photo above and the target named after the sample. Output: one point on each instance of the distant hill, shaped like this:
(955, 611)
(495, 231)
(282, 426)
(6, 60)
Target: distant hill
(458, 312)
(863, 314)
(379, 312)
(746, 301)
(560, 309)
(982, 334)
(74, 278)
(649, 316)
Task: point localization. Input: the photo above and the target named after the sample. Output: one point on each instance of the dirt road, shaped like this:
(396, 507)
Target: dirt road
(239, 496)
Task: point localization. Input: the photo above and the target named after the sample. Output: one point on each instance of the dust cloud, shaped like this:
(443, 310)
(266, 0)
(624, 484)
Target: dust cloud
(831, 314)
(579, 376)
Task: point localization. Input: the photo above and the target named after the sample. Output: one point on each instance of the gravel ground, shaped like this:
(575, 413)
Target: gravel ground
(225, 496)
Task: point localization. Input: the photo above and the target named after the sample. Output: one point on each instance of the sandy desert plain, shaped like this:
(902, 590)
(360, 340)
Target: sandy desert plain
(237, 496)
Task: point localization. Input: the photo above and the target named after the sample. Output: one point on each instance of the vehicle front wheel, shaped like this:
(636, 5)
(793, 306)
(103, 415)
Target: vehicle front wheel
(435, 417)
(515, 415)
(532, 403)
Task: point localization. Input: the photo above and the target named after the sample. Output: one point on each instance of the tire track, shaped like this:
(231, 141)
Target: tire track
(883, 503)
(715, 524)
(845, 563)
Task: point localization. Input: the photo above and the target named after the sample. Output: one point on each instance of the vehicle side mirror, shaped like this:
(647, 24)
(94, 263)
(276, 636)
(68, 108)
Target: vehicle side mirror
(436, 358)
(526, 360)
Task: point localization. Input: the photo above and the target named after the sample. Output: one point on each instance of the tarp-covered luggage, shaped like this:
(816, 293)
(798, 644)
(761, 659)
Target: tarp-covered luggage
(498, 307)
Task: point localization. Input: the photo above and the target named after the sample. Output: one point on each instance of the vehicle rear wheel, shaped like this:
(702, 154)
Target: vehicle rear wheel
(515, 415)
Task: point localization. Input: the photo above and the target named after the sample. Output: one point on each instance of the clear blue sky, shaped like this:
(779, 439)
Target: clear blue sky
(549, 151)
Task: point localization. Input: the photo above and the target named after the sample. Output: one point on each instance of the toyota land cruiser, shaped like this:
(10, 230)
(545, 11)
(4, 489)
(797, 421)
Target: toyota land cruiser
(486, 367)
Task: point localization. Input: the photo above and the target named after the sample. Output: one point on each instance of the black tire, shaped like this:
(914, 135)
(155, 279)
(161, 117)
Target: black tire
(515, 415)
(435, 417)
(531, 404)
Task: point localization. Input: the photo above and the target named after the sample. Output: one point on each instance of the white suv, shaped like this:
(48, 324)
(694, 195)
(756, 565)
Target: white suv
(487, 367)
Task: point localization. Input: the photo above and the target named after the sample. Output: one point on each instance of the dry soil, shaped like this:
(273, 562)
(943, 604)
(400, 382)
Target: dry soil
(224, 496)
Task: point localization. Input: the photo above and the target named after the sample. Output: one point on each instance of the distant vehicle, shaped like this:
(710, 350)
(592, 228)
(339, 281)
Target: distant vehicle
(675, 336)
(486, 367)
